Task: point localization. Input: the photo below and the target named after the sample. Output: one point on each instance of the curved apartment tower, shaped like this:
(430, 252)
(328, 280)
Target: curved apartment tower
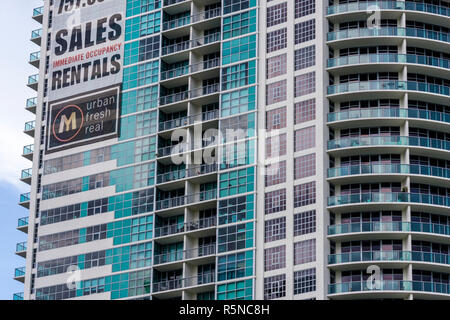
(238, 149)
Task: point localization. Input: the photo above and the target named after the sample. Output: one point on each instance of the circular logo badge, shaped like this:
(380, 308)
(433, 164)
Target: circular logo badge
(68, 123)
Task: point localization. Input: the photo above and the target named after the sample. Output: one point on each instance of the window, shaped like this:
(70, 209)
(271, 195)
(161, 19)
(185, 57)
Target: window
(142, 26)
(304, 7)
(238, 101)
(236, 209)
(276, 40)
(305, 111)
(275, 287)
(239, 49)
(275, 201)
(276, 66)
(276, 119)
(235, 182)
(276, 14)
(304, 281)
(305, 57)
(305, 31)
(305, 166)
(305, 251)
(140, 75)
(276, 146)
(276, 92)
(305, 84)
(239, 24)
(141, 50)
(236, 265)
(235, 237)
(237, 5)
(275, 229)
(239, 75)
(304, 223)
(275, 258)
(275, 173)
(304, 194)
(304, 138)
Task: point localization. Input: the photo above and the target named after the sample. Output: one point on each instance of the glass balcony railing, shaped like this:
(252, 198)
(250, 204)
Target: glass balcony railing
(381, 285)
(38, 11)
(35, 56)
(33, 79)
(388, 112)
(189, 120)
(189, 44)
(185, 200)
(194, 93)
(18, 296)
(185, 70)
(432, 287)
(371, 226)
(30, 125)
(361, 256)
(19, 272)
(390, 197)
(179, 255)
(388, 32)
(22, 222)
(388, 85)
(28, 149)
(35, 34)
(31, 103)
(22, 246)
(25, 197)
(175, 284)
(205, 15)
(388, 141)
(389, 169)
(26, 173)
(389, 5)
(388, 58)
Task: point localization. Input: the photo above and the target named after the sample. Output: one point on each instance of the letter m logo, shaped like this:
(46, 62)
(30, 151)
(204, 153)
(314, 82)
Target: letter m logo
(68, 124)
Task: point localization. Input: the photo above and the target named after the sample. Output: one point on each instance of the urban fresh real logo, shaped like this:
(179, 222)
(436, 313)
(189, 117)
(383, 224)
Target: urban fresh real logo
(82, 119)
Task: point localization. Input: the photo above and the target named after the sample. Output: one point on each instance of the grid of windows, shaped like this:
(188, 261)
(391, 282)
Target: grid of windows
(305, 194)
(275, 201)
(305, 57)
(236, 265)
(275, 229)
(276, 92)
(276, 119)
(230, 6)
(304, 84)
(239, 24)
(139, 100)
(238, 101)
(304, 251)
(135, 7)
(276, 14)
(275, 258)
(239, 75)
(304, 138)
(240, 290)
(275, 287)
(275, 173)
(236, 209)
(305, 166)
(235, 237)
(276, 146)
(142, 26)
(276, 40)
(304, 7)
(304, 223)
(304, 281)
(140, 75)
(305, 111)
(276, 66)
(239, 49)
(141, 50)
(305, 31)
(235, 182)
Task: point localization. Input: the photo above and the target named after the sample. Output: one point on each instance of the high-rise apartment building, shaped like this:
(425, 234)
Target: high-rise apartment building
(238, 149)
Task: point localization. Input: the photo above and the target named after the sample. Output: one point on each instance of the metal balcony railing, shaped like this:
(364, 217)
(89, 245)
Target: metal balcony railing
(190, 44)
(188, 120)
(177, 97)
(185, 200)
(194, 253)
(185, 70)
(205, 15)
(188, 226)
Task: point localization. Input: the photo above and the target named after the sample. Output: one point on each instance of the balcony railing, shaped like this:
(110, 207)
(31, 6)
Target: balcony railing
(388, 141)
(31, 125)
(388, 112)
(28, 149)
(388, 85)
(24, 197)
(395, 168)
(185, 200)
(389, 5)
(171, 2)
(26, 173)
(190, 44)
(185, 254)
(189, 120)
(361, 256)
(35, 34)
(390, 197)
(205, 15)
(38, 11)
(18, 296)
(21, 246)
(381, 285)
(35, 56)
(183, 283)
(19, 272)
(31, 103)
(388, 58)
(189, 226)
(22, 222)
(177, 97)
(185, 70)
(33, 79)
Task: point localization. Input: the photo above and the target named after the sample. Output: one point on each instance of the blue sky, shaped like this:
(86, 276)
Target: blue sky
(16, 25)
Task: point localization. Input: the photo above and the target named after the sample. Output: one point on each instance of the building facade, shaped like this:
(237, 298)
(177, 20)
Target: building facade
(238, 149)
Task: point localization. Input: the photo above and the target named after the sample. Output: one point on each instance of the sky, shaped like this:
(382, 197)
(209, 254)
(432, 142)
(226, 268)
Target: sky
(16, 25)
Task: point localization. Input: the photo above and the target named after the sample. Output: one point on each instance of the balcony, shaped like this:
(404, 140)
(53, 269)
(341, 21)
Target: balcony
(186, 200)
(172, 2)
(19, 274)
(18, 296)
(190, 44)
(26, 175)
(388, 112)
(35, 59)
(38, 14)
(193, 171)
(29, 128)
(192, 94)
(185, 227)
(195, 253)
(189, 120)
(31, 105)
(21, 249)
(33, 82)
(193, 68)
(389, 197)
(202, 16)
(383, 285)
(373, 226)
(28, 152)
(25, 200)
(365, 256)
(36, 36)
(169, 285)
(22, 224)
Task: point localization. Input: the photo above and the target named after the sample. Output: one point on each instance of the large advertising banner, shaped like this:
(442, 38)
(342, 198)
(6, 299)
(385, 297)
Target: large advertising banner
(87, 45)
